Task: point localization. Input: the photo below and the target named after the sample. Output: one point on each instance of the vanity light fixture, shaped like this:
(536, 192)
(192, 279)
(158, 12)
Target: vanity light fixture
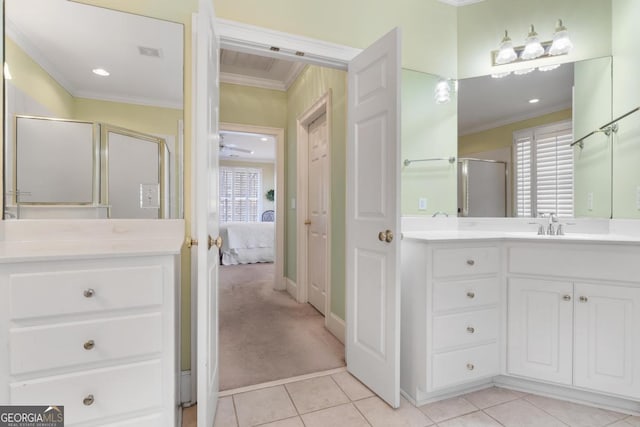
(561, 42)
(500, 75)
(523, 71)
(532, 48)
(101, 72)
(549, 67)
(442, 92)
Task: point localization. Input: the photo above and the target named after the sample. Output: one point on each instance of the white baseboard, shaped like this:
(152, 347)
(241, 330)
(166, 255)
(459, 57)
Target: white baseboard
(336, 326)
(292, 288)
(185, 387)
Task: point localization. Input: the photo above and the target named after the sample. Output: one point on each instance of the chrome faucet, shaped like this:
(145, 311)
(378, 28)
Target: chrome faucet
(553, 218)
(439, 213)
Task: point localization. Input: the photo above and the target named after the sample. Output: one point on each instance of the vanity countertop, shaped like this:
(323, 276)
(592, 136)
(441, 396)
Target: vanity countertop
(47, 240)
(530, 236)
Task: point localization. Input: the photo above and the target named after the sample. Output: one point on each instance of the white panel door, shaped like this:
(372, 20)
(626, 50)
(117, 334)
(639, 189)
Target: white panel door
(318, 212)
(373, 218)
(540, 317)
(607, 338)
(206, 209)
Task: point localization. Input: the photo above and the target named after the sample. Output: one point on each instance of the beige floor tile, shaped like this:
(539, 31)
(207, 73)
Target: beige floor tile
(475, 419)
(448, 408)
(343, 416)
(226, 413)
(490, 397)
(520, 413)
(189, 416)
(353, 388)
(621, 423)
(289, 422)
(263, 406)
(634, 421)
(379, 414)
(316, 393)
(574, 414)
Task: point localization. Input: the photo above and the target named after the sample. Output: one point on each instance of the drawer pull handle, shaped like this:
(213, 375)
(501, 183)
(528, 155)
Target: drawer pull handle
(88, 401)
(470, 366)
(470, 262)
(471, 295)
(471, 329)
(584, 299)
(89, 345)
(88, 293)
(567, 297)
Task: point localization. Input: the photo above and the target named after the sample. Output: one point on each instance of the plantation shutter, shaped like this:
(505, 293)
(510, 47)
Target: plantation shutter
(543, 175)
(554, 172)
(240, 190)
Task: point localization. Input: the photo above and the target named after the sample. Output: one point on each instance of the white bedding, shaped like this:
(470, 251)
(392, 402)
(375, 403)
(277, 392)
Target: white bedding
(247, 242)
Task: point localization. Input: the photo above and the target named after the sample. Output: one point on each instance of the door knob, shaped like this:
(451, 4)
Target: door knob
(307, 222)
(385, 236)
(217, 242)
(567, 297)
(211, 242)
(89, 345)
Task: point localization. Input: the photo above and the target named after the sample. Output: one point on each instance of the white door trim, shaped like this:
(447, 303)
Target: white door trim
(278, 134)
(321, 106)
(259, 41)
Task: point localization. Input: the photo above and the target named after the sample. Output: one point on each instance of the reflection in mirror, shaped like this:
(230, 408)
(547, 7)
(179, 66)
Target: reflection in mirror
(529, 122)
(111, 81)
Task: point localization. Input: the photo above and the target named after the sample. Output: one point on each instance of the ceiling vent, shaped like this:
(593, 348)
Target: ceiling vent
(150, 51)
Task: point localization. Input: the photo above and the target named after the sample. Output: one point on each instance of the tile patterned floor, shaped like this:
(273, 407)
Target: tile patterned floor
(340, 400)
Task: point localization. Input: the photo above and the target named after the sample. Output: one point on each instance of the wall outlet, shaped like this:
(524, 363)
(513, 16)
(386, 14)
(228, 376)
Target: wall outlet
(150, 196)
(293, 203)
(422, 204)
(590, 200)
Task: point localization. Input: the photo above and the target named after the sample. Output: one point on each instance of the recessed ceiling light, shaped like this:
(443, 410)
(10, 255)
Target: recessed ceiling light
(534, 101)
(264, 138)
(101, 72)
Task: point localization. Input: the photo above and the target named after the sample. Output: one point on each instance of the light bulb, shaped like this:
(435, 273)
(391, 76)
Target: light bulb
(533, 48)
(442, 92)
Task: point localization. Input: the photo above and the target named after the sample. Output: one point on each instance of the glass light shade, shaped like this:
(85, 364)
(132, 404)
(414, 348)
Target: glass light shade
(533, 48)
(549, 67)
(500, 75)
(523, 71)
(561, 41)
(506, 52)
(442, 92)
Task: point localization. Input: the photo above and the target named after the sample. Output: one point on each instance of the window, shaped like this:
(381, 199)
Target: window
(543, 159)
(240, 190)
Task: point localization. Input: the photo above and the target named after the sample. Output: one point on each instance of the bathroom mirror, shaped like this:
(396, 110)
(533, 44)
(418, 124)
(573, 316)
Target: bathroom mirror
(547, 108)
(81, 70)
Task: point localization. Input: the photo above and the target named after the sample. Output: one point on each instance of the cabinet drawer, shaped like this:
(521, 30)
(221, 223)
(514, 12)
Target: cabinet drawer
(465, 294)
(465, 328)
(62, 345)
(456, 367)
(115, 391)
(81, 291)
(465, 261)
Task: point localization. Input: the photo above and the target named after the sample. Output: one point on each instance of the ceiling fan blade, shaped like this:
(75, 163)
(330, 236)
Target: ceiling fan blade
(241, 150)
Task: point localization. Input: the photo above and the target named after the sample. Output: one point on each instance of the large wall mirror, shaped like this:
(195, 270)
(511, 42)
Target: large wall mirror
(500, 146)
(93, 113)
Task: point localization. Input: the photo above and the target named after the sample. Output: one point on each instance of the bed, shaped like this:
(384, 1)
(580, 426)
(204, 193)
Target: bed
(247, 242)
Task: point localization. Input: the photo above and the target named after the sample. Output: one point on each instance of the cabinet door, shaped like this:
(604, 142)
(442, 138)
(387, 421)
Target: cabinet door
(540, 329)
(607, 339)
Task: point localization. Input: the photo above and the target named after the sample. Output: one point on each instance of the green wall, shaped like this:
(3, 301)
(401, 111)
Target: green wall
(253, 106)
(626, 96)
(427, 130)
(429, 28)
(312, 84)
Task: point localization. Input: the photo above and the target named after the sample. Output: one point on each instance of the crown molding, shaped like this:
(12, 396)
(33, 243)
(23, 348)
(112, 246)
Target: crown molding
(148, 102)
(293, 74)
(239, 79)
(260, 41)
(459, 3)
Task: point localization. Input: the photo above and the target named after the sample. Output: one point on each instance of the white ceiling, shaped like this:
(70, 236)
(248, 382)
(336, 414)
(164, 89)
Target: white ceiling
(485, 102)
(258, 71)
(263, 151)
(460, 2)
(70, 39)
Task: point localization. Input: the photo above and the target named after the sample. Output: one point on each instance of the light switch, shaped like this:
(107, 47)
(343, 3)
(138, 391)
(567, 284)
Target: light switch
(422, 204)
(590, 201)
(150, 196)
(293, 203)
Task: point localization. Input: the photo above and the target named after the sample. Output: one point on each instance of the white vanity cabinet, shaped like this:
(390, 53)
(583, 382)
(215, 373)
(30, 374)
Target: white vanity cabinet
(97, 335)
(450, 316)
(574, 316)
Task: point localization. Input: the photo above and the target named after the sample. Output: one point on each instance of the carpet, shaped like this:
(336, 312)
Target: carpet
(265, 335)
